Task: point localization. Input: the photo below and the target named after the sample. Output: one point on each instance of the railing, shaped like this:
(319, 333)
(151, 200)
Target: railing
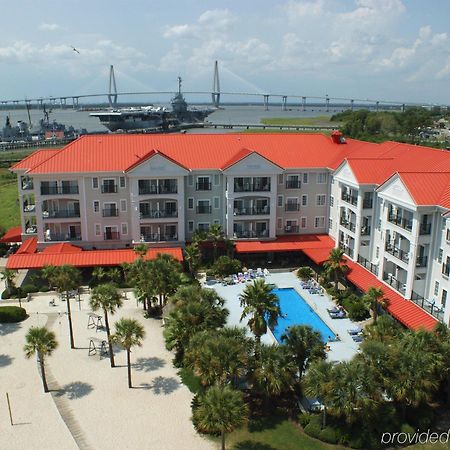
(109, 188)
(252, 211)
(203, 209)
(425, 228)
(367, 204)
(54, 237)
(421, 261)
(157, 237)
(251, 234)
(158, 214)
(349, 225)
(428, 306)
(203, 186)
(392, 281)
(400, 221)
(59, 190)
(27, 185)
(446, 270)
(291, 207)
(293, 184)
(291, 229)
(365, 230)
(29, 208)
(110, 212)
(347, 250)
(349, 199)
(111, 236)
(252, 187)
(61, 214)
(158, 189)
(368, 265)
(397, 252)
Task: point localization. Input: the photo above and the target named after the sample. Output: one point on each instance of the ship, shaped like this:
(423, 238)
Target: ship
(157, 118)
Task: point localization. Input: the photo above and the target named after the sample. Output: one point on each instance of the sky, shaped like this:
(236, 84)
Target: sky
(379, 49)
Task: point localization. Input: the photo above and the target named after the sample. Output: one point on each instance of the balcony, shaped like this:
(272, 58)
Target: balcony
(425, 228)
(446, 270)
(59, 190)
(421, 261)
(109, 188)
(428, 306)
(400, 221)
(110, 212)
(368, 265)
(27, 184)
(347, 250)
(397, 252)
(60, 214)
(392, 281)
(252, 187)
(254, 211)
(349, 198)
(111, 236)
(365, 230)
(158, 214)
(293, 184)
(58, 237)
(157, 237)
(206, 186)
(347, 224)
(154, 189)
(29, 208)
(367, 203)
(292, 207)
(203, 209)
(294, 229)
(248, 234)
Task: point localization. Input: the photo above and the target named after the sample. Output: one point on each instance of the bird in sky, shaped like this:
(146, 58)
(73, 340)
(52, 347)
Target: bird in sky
(74, 49)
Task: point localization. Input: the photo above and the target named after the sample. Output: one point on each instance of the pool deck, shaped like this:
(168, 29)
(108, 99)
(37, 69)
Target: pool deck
(342, 350)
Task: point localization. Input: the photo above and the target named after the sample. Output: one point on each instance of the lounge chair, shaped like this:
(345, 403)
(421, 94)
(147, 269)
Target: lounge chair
(357, 338)
(354, 331)
(259, 272)
(338, 315)
(333, 310)
(266, 272)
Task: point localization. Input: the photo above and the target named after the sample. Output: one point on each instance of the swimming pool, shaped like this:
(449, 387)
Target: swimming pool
(297, 312)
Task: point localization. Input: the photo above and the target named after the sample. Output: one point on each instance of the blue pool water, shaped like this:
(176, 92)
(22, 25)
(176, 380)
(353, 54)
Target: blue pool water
(297, 312)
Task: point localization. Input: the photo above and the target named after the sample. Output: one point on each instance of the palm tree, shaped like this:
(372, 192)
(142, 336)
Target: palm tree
(386, 329)
(374, 297)
(141, 250)
(99, 274)
(8, 276)
(192, 256)
(221, 410)
(215, 235)
(305, 273)
(263, 305)
(166, 276)
(42, 342)
(67, 278)
(336, 264)
(48, 273)
(129, 333)
(304, 346)
(107, 298)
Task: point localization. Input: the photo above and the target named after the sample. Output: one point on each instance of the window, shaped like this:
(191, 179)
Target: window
(203, 226)
(304, 200)
(98, 229)
(303, 222)
(217, 221)
(96, 206)
(305, 178)
(190, 226)
(330, 223)
(190, 203)
(280, 200)
(216, 179)
(331, 201)
(279, 223)
(319, 222)
(190, 180)
(123, 205)
(280, 178)
(436, 288)
(124, 228)
(322, 178)
(203, 184)
(321, 200)
(122, 182)
(444, 298)
(95, 183)
(216, 202)
(440, 255)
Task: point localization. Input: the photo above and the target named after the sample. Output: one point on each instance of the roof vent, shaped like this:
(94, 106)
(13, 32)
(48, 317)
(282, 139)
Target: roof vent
(337, 137)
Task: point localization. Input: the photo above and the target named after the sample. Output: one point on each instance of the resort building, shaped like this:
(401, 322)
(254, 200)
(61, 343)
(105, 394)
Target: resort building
(387, 205)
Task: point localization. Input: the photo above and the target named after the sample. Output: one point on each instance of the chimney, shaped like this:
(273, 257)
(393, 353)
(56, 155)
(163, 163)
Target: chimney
(337, 137)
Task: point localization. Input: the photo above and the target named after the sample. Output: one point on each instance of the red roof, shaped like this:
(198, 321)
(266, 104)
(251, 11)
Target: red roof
(286, 243)
(63, 247)
(29, 246)
(318, 255)
(12, 235)
(35, 158)
(86, 258)
(405, 311)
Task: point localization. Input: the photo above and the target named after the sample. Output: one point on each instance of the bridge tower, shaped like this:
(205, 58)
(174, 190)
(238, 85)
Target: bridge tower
(215, 94)
(327, 102)
(304, 103)
(352, 104)
(112, 96)
(284, 103)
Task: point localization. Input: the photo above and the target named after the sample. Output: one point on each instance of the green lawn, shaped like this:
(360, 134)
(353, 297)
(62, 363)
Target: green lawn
(10, 215)
(307, 121)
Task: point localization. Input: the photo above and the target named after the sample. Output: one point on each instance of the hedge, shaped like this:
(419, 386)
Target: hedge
(329, 435)
(12, 314)
(313, 430)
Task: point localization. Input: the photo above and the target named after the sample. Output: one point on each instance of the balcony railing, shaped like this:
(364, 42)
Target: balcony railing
(203, 186)
(201, 209)
(422, 261)
(425, 228)
(109, 188)
(157, 237)
(292, 207)
(252, 211)
(29, 208)
(397, 252)
(365, 230)
(347, 250)
(247, 234)
(392, 281)
(111, 236)
(349, 199)
(446, 270)
(347, 224)
(158, 214)
(368, 265)
(252, 187)
(400, 221)
(59, 190)
(158, 189)
(61, 214)
(428, 306)
(57, 237)
(291, 229)
(110, 212)
(293, 184)
(367, 203)
(27, 185)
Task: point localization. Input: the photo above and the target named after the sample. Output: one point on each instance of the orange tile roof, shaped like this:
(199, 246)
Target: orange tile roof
(12, 235)
(29, 246)
(35, 158)
(63, 247)
(86, 258)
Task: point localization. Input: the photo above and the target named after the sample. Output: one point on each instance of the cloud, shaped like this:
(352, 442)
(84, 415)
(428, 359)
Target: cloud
(49, 27)
(297, 9)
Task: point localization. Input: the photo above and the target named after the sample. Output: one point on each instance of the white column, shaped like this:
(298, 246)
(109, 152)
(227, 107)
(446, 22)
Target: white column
(181, 210)
(412, 256)
(358, 220)
(134, 210)
(273, 207)
(85, 232)
(229, 206)
(38, 212)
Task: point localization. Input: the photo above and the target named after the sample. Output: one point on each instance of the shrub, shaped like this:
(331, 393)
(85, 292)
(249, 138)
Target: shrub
(313, 430)
(225, 266)
(305, 273)
(44, 288)
(316, 419)
(6, 294)
(329, 435)
(12, 314)
(304, 419)
(356, 307)
(29, 289)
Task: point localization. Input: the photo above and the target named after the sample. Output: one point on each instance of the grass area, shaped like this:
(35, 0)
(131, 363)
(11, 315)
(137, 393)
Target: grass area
(307, 121)
(10, 215)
